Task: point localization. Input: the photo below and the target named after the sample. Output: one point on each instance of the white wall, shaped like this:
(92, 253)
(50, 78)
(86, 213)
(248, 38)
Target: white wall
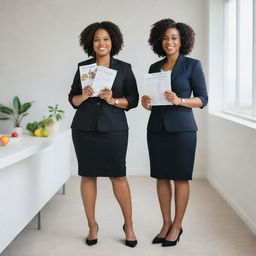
(231, 147)
(39, 54)
(231, 165)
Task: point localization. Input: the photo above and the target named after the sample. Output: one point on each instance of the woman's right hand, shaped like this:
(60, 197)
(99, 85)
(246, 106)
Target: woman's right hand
(87, 92)
(146, 102)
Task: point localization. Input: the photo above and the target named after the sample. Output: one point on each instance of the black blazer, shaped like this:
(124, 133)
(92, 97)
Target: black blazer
(95, 114)
(187, 77)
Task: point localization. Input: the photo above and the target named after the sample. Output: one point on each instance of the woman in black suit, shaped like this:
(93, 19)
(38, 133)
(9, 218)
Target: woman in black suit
(172, 129)
(99, 127)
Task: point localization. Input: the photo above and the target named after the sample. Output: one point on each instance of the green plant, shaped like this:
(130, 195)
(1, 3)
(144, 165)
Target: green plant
(16, 113)
(41, 124)
(56, 113)
(32, 127)
(45, 122)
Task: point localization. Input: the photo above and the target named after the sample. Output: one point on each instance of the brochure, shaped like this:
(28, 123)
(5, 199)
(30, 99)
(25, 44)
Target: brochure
(155, 86)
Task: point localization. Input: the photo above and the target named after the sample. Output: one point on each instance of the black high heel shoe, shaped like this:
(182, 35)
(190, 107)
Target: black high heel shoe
(130, 243)
(159, 240)
(167, 243)
(91, 242)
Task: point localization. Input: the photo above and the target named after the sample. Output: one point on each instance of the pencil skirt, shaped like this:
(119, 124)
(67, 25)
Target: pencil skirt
(100, 154)
(171, 154)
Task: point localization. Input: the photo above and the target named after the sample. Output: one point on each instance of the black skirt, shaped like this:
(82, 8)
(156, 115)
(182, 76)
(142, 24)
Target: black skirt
(100, 154)
(171, 154)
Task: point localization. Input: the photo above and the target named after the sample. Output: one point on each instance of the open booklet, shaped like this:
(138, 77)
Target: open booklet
(104, 78)
(87, 74)
(155, 86)
(98, 77)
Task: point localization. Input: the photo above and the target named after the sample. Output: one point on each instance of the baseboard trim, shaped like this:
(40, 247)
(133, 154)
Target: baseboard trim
(251, 225)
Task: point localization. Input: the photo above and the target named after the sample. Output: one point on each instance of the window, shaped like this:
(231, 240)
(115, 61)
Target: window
(240, 58)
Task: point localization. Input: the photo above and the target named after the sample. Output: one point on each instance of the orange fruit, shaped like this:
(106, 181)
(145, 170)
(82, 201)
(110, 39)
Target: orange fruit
(5, 140)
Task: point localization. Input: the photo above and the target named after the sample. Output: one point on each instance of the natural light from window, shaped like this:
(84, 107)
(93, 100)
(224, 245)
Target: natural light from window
(239, 52)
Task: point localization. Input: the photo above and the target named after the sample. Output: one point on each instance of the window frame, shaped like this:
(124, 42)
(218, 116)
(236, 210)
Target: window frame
(216, 65)
(225, 108)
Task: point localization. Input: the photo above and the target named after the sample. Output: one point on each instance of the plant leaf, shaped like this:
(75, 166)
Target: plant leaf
(58, 117)
(16, 104)
(30, 127)
(24, 115)
(6, 110)
(25, 107)
(60, 111)
(4, 118)
(19, 120)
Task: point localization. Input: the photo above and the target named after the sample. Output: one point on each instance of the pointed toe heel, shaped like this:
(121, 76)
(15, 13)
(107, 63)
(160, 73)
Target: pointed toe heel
(167, 243)
(130, 243)
(157, 240)
(91, 242)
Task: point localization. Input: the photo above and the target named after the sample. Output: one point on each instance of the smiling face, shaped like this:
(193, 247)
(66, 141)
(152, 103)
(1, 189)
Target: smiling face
(102, 43)
(171, 42)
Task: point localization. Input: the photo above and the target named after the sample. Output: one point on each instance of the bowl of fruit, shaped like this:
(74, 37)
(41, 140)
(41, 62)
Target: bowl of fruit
(42, 128)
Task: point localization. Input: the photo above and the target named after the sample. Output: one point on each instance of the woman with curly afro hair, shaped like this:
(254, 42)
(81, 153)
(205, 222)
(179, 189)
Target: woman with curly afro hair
(99, 127)
(171, 131)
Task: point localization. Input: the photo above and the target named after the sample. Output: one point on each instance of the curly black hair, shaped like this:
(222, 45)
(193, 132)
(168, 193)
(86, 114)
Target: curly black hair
(87, 35)
(158, 29)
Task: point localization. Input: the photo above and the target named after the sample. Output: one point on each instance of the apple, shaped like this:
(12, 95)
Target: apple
(45, 132)
(15, 134)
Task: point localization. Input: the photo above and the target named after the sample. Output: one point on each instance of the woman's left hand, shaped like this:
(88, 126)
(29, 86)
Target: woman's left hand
(172, 97)
(106, 94)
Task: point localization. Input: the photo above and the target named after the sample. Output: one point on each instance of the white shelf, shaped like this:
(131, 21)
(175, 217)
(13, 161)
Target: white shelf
(32, 170)
(27, 146)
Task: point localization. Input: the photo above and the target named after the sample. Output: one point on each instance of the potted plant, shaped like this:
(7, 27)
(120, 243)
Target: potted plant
(17, 113)
(56, 114)
(49, 124)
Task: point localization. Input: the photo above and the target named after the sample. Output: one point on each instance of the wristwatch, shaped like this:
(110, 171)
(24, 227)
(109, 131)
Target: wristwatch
(116, 101)
(182, 102)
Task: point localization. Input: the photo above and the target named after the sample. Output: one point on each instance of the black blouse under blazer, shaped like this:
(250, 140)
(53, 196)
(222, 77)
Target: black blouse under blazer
(95, 114)
(187, 77)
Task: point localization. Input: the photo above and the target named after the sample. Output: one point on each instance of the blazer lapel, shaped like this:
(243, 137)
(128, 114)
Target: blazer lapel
(178, 67)
(113, 64)
(159, 65)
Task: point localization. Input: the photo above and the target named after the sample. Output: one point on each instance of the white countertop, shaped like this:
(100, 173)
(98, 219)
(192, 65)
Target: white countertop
(25, 146)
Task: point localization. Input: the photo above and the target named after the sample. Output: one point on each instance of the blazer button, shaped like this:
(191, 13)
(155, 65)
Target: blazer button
(98, 103)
